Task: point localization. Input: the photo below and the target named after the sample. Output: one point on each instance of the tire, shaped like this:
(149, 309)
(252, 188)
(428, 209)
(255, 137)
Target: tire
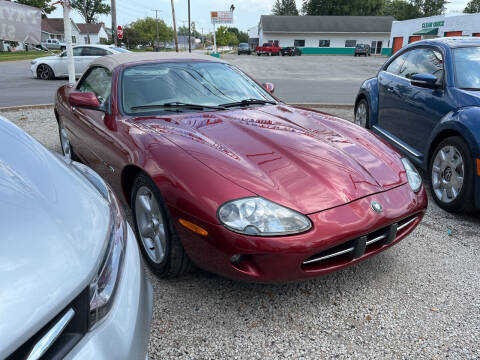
(445, 174)
(175, 261)
(362, 114)
(45, 72)
(258, 54)
(63, 48)
(65, 144)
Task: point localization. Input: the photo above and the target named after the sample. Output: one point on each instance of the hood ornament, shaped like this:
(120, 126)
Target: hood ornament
(376, 207)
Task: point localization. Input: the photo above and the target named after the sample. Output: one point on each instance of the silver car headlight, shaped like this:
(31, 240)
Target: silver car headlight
(33, 62)
(104, 284)
(260, 217)
(414, 178)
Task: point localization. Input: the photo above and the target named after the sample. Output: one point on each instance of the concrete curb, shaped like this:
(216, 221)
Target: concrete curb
(25, 107)
(305, 105)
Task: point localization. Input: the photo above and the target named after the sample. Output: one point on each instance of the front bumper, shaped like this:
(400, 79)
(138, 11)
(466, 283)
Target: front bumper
(125, 331)
(282, 259)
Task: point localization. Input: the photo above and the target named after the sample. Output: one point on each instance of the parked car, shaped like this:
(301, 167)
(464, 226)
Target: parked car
(220, 173)
(244, 48)
(53, 44)
(72, 278)
(51, 67)
(362, 49)
(269, 49)
(426, 101)
(291, 51)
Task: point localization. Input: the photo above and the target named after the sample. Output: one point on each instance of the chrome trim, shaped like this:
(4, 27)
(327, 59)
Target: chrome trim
(378, 238)
(400, 227)
(49, 338)
(391, 138)
(306, 262)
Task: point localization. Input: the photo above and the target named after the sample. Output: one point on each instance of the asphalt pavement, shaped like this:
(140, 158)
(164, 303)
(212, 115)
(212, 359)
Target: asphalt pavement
(417, 300)
(304, 79)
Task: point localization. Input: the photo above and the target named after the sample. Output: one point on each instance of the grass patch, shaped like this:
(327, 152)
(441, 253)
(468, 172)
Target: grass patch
(22, 55)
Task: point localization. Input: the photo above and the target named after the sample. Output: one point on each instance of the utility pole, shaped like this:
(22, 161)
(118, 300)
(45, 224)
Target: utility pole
(114, 21)
(67, 25)
(189, 32)
(174, 28)
(156, 20)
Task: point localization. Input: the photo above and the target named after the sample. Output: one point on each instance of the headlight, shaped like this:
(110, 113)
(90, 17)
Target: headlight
(104, 284)
(33, 62)
(261, 217)
(414, 178)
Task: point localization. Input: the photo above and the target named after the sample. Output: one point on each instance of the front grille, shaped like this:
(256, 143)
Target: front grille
(358, 247)
(75, 328)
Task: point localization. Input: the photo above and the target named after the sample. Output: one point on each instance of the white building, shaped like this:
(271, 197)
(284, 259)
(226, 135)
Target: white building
(253, 37)
(408, 31)
(327, 34)
(96, 32)
(52, 28)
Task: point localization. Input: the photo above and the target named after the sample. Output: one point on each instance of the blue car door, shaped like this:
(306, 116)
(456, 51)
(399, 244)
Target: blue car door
(423, 107)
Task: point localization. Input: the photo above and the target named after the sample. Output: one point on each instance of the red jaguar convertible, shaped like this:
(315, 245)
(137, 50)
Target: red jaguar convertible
(220, 173)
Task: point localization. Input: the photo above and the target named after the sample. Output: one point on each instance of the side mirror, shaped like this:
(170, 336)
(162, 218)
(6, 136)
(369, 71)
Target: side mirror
(424, 81)
(84, 100)
(269, 87)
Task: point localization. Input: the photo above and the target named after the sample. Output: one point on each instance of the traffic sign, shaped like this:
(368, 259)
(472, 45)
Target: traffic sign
(120, 32)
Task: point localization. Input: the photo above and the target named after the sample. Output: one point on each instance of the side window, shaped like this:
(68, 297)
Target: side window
(299, 43)
(92, 51)
(423, 61)
(98, 81)
(396, 65)
(350, 43)
(76, 51)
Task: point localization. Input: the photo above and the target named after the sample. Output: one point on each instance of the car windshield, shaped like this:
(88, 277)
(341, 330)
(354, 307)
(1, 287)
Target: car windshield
(467, 68)
(243, 45)
(120, 50)
(360, 46)
(147, 87)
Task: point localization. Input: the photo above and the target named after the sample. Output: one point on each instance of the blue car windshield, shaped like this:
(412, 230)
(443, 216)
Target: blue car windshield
(146, 87)
(467, 68)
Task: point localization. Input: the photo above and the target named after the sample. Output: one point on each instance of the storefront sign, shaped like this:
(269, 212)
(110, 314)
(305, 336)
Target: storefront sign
(20, 22)
(221, 17)
(433, 24)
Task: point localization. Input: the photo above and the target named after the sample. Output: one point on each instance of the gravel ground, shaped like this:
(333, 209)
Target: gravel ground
(418, 300)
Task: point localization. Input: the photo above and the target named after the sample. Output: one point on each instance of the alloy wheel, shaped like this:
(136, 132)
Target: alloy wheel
(361, 115)
(65, 143)
(448, 174)
(43, 72)
(151, 227)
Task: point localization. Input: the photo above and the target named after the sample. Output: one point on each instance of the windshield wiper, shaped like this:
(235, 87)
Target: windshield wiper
(249, 102)
(178, 105)
(471, 89)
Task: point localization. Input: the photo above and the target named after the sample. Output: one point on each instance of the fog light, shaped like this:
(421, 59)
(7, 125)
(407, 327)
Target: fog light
(235, 259)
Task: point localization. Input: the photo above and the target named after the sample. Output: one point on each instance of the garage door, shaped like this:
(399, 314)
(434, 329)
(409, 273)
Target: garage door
(397, 44)
(453, 33)
(414, 38)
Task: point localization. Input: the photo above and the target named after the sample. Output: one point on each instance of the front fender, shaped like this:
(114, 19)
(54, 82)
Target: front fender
(369, 90)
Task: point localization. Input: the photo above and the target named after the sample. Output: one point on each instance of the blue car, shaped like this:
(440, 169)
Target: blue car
(425, 101)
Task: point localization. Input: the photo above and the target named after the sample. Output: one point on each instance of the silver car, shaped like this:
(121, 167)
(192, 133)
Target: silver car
(72, 284)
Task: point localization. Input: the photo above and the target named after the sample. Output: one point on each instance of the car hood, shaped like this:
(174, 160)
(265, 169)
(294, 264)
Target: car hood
(53, 234)
(46, 58)
(305, 160)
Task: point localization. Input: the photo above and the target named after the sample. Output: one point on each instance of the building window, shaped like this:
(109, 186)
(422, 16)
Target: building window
(350, 43)
(324, 43)
(74, 39)
(299, 43)
(86, 39)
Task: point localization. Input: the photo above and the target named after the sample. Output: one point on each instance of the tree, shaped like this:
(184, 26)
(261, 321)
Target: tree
(285, 7)
(472, 7)
(431, 7)
(343, 7)
(241, 35)
(183, 30)
(401, 10)
(225, 37)
(41, 4)
(90, 9)
(145, 31)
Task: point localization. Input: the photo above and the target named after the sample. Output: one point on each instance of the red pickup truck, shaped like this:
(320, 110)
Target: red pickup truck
(269, 49)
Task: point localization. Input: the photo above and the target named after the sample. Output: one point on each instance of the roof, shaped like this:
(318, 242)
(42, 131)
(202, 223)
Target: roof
(115, 60)
(53, 25)
(326, 24)
(90, 28)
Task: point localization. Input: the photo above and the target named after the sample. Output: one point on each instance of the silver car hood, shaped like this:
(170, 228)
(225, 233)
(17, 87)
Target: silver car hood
(53, 228)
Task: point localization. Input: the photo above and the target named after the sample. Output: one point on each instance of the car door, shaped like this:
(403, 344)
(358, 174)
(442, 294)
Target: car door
(61, 65)
(94, 138)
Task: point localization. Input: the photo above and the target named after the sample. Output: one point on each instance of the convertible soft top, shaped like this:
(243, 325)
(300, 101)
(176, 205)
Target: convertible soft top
(112, 61)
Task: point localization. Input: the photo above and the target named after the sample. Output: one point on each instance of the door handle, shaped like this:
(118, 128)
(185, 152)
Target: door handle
(390, 90)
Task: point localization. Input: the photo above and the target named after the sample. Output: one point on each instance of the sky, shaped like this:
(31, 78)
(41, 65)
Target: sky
(247, 12)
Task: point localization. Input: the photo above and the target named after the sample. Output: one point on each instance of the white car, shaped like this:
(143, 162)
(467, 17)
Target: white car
(50, 67)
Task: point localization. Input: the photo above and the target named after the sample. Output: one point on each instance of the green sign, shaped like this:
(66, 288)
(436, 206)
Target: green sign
(433, 24)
